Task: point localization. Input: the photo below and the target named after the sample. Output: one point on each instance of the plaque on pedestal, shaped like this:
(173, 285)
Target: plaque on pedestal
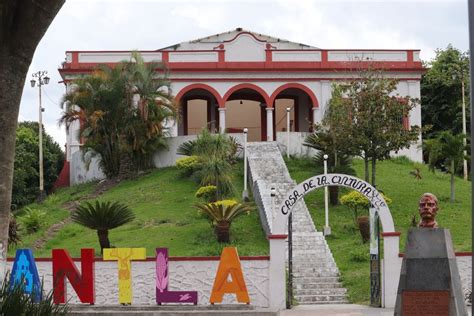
(429, 278)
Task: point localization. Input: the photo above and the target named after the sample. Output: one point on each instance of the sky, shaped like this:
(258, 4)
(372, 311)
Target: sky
(150, 25)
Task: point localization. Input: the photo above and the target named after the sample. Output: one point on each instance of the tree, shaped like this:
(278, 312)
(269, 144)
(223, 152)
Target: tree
(441, 95)
(122, 111)
(26, 175)
(103, 216)
(370, 116)
(22, 25)
(448, 149)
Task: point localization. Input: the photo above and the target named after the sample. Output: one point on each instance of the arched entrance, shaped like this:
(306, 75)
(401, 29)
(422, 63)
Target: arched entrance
(246, 107)
(391, 263)
(301, 100)
(199, 106)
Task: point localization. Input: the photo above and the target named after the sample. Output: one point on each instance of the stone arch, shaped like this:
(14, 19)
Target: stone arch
(250, 86)
(299, 86)
(391, 262)
(200, 86)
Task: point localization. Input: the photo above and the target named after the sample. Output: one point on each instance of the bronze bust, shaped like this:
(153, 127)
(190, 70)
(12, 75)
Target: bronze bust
(428, 208)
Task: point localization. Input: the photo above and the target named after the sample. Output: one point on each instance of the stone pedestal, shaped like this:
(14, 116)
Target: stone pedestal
(429, 278)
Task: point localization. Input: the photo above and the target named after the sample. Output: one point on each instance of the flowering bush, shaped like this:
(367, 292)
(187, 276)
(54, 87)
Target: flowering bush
(187, 164)
(207, 193)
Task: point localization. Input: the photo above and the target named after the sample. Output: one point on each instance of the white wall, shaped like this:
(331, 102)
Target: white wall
(184, 275)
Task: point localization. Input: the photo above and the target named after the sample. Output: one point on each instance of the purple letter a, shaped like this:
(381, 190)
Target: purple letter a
(162, 293)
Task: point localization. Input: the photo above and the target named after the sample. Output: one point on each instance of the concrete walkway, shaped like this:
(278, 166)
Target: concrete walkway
(341, 310)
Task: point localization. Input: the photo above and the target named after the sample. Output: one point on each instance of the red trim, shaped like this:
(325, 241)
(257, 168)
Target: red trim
(277, 236)
(391, 234)
(230, 79)
(241, 33)
(299, 86)
(284, 50)
(457, 254)
(247, 86)
(201, 86)
(202, 258)
(63, 179)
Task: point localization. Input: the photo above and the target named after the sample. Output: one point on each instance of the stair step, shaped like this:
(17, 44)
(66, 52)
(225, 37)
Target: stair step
(316, 279)
(318, 292)
(304, 299)
(305, 286)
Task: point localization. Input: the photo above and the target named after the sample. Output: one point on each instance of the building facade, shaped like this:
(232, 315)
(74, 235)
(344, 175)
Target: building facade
(241, 79)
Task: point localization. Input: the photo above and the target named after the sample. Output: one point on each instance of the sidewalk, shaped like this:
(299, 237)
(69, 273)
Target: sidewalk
(336, 309)
(341, 310)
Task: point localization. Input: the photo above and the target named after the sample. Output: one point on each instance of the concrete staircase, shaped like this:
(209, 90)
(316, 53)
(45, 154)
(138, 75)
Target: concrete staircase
(315, 274)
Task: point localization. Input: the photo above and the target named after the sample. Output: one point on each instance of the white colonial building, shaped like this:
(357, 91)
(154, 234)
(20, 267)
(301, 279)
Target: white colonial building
(242, 79)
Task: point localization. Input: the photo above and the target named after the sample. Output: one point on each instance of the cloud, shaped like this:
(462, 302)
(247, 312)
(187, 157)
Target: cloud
(148, 25)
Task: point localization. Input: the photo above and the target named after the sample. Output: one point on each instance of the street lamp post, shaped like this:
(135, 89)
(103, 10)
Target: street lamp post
(288, 109)
(327, 228)
(42, 80)
(245, 194)
(464, 130)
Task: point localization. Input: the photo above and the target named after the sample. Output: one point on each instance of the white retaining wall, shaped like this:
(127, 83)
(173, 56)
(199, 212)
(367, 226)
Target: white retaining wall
(184, 275)
(297, 149)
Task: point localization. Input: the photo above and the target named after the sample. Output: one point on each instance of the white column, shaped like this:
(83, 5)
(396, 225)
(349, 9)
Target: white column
(325, 97)
(277, 279)
(269, 124)
(414, 118)
(222, 120)
(316, 115)
(391, 270)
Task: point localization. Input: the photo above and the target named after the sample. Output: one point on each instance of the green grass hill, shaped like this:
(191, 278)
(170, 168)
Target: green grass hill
(165, 217)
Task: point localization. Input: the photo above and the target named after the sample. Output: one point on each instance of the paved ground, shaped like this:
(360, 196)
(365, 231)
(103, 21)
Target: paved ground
(339, 310)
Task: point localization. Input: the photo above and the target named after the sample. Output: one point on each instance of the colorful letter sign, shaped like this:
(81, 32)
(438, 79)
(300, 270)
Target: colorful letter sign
(123, 257)
(229, 264)
(64, 267)
(24, 271)
(162, 293)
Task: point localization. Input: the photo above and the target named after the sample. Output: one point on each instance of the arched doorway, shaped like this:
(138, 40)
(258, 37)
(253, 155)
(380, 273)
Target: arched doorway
(391, 262)
(246, 107)
(199, 106)
(300, 100)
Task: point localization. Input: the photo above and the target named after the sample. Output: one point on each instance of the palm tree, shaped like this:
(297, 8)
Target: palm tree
(98, 103)
(339, 161)
(102, 216)
(221, 214)
(446, 150)
(123, 111)
(151, 106)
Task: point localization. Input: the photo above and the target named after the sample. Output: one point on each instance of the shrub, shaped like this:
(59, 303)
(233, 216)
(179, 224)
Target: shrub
(357, 201)
(14, 301)
(221, 214)
(33, 220)
(187, 164)
(207, 193)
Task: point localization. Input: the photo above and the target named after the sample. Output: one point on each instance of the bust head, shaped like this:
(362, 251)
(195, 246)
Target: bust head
(428, 207)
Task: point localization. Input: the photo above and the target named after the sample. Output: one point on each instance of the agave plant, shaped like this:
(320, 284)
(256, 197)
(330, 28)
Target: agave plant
(14, 301)
(102, 216)
(221, 214)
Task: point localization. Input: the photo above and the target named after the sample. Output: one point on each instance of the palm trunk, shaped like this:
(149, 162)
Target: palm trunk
(452, 181)
(222, 230)
(23, 25)
(104, 241)
(374, 162)
(334, 195)
(366, 168)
